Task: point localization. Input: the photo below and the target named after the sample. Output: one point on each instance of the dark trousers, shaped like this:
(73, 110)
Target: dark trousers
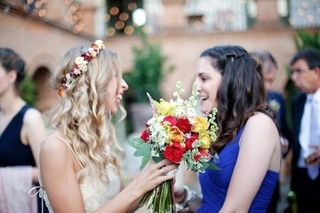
(307, 191)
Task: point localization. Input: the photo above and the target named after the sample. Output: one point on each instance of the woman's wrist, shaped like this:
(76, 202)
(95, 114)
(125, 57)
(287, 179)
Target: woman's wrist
(189, 197)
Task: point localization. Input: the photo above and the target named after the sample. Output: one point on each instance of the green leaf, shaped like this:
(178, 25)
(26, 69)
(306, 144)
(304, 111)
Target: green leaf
(157, 159)
(143, 150)
(136, 142)
(145, 160)
(213, 166)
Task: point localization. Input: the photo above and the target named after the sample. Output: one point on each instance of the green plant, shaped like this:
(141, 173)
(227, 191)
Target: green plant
(303, 39)
(147, 73)
(28, 91)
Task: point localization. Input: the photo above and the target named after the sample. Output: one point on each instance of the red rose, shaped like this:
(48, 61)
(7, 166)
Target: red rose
(174, 152)
(204, 152)
(172, 120)
(184, 125)
(197, 157)
(190, 140)
(145, 135)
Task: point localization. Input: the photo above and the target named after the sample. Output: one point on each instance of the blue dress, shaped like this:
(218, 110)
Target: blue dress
(214, 183)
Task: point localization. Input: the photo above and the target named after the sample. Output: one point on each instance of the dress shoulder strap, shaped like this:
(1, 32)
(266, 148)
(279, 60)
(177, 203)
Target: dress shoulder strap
(68, 145)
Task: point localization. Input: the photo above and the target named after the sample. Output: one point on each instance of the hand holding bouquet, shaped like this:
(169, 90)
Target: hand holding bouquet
(177, 133)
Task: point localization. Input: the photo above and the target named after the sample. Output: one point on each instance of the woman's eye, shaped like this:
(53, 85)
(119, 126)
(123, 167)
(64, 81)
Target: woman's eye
(203, 78)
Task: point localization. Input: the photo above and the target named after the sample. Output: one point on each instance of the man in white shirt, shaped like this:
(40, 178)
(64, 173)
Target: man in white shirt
(305, 179)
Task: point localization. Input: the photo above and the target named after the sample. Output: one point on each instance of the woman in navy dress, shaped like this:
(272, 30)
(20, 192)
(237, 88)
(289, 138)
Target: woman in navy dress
(21, 126)
(248, 140)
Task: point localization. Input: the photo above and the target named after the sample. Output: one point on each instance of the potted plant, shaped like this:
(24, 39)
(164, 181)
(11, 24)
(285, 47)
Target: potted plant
(145, 77)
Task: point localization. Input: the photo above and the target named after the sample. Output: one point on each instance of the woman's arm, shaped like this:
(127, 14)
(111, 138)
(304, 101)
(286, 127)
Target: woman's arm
(58, 175)
(150, 177)
(259, 151)
(33, 132)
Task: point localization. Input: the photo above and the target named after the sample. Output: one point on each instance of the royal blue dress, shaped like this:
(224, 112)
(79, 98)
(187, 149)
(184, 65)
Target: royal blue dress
(214, 183)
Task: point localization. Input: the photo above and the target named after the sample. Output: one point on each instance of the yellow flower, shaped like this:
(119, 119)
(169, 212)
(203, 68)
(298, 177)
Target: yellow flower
(175, 134)
(205, 141)
(199, 124)
(164, 108)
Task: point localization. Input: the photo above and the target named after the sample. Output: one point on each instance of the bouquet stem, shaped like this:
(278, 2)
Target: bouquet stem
(160, 199)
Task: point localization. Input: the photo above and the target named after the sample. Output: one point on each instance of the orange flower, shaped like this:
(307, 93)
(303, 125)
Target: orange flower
(175, 134)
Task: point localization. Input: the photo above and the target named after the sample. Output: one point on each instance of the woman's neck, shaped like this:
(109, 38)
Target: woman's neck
(10, 104)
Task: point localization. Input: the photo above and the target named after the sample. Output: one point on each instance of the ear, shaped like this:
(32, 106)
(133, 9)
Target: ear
(12, 74)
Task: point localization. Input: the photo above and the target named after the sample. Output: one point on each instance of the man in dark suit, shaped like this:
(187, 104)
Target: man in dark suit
(276, 103)
(305, 178)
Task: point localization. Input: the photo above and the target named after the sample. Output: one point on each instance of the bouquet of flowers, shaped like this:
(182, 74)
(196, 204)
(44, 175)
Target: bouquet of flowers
(177, 133)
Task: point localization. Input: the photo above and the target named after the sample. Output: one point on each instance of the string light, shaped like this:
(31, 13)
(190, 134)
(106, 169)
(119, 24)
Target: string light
(107, 17)
(111, 31)
(128, 30)
(114, 11)
(132, 6)
(119, 25)
(124, 16)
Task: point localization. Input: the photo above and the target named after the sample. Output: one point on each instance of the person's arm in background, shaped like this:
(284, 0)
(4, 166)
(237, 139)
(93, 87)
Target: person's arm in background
(285, 131)
(33, 132)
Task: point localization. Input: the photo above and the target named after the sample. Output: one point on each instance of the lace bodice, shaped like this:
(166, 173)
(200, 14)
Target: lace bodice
(94, 192)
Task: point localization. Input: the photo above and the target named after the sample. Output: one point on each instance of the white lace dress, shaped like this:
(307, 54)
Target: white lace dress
(95, 193)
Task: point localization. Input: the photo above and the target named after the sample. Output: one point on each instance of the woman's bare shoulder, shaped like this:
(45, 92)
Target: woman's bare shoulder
(261, 126)
(53, 147)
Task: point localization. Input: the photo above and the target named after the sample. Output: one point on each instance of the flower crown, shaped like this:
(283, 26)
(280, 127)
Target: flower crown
(80, 66)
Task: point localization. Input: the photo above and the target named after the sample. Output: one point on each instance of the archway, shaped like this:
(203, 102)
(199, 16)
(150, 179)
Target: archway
(47, 96)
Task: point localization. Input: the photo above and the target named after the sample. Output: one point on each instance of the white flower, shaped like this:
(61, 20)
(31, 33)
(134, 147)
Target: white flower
(92, 52)
(274, 105)
(99, 44)
(77, 71)
(79, 60)
(83, 67)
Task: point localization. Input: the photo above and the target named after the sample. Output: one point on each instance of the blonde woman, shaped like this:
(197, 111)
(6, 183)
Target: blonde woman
(79, 162)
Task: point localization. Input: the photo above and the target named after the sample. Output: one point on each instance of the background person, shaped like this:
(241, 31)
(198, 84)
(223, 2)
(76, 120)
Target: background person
(305, 179)
(21, 131)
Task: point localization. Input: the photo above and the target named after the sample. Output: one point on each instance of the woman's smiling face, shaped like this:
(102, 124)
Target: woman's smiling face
(208, 78)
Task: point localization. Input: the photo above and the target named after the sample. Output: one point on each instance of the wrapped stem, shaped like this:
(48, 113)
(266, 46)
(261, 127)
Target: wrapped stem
(160, 199)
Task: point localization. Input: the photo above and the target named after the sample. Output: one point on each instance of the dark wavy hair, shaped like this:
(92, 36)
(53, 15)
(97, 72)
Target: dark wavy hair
(241, 91)
(11, 61)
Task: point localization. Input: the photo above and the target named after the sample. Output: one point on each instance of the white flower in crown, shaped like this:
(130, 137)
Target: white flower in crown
(77, 71)
(99, 44)
(92, 52)
(83, 67)
(80, 60)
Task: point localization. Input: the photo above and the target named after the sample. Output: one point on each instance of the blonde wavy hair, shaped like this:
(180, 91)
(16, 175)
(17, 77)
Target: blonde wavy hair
(82, 115)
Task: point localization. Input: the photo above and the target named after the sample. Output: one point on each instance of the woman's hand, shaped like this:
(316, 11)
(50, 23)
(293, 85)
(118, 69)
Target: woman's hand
(153, 174)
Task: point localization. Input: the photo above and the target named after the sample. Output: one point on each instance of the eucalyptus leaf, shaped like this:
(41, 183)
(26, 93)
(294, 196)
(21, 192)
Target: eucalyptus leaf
(145, 160)
(158, 159)
(143, 150)
(136, 142)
